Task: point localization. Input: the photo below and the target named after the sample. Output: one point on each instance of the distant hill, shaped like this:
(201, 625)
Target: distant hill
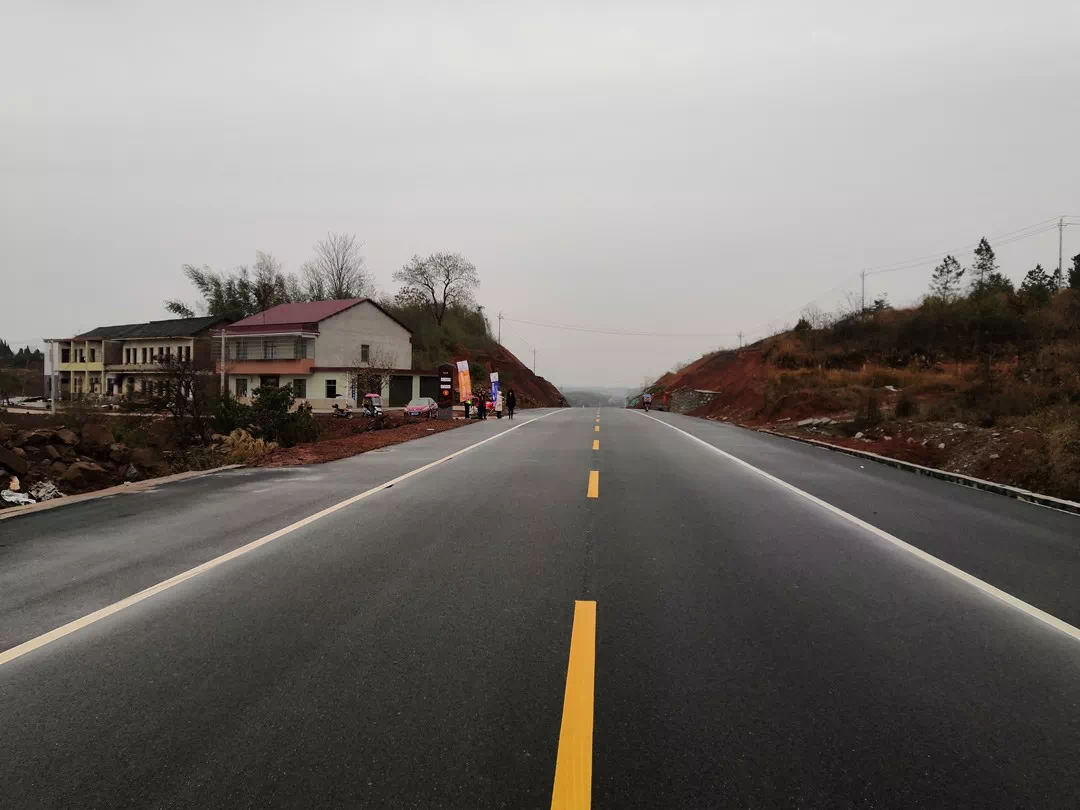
(984, 384)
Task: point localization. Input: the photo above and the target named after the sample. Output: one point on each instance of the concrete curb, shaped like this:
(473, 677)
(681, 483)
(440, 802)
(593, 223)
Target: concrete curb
(122, 489)
(933, 472)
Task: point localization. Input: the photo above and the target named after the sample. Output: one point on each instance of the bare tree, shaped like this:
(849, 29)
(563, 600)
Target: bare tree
(185, 391)
(439, 280)
(338, 270)
(371, 371)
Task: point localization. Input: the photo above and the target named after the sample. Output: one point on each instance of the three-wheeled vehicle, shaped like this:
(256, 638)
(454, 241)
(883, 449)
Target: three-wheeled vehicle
(372, 405)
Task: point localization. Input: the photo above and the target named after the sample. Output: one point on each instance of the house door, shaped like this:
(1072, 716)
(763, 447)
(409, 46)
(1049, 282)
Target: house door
(400, 390)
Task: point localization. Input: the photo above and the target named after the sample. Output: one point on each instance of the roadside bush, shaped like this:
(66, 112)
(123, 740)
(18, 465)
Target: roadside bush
(870, 412)
(240, 447)
(275, 422)
(905, 406)
(231, 414)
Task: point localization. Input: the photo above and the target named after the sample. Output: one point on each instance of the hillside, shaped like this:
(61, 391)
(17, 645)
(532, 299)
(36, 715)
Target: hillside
(984, 385)
(531, 390)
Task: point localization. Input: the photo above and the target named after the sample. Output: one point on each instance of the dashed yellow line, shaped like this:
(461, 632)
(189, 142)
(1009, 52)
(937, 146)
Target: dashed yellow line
(594, 484)
(573, 764)
(595, 444)
(596, 429)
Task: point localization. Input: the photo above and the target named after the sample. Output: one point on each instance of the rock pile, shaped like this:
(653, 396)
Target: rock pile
(73, 461)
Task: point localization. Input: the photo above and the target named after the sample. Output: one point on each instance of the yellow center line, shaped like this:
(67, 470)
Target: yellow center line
(594, 484)
(596, 429)
(573, 764)
(595, 444)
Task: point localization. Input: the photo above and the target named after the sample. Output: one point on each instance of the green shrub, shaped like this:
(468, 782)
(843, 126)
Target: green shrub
(231, 414)
(274, 422)
(905, 406)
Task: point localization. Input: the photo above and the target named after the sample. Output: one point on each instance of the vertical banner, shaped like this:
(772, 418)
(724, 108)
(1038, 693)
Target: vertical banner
(464, 383)
(494, 387)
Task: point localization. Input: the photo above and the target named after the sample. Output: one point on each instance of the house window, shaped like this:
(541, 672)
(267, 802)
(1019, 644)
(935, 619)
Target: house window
(268, 350)
(299, 388)
(241, 386)
(365, 353)
(331, 389)
(187, 353)
(93, 355)
(82, 355)
(65, 355)
(143, 353)
(240, 350)
(269, 381)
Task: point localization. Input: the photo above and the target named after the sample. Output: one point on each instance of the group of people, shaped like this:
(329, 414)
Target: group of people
(480, 402)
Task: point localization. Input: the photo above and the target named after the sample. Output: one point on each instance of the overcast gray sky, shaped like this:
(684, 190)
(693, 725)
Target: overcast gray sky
(663, 167)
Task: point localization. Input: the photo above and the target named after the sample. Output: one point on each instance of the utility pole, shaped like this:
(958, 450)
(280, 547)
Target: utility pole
(534, 361)
(223, 391)
(740, 340)
(1061, 237)
(53, 381)
(863, 274)
(500, 328)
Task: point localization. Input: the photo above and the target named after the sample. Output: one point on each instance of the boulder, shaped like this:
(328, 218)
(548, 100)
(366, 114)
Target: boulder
(806, 422)
(7, 433)
(52, 452)
(85, 475)
(131, 473)
(69, 455)
(95, 438)
(19, 439)
(941, 446)
(36, 437)
(119, 453)
(19, 452)
(58, 468)
(68, 437)
(149, 461)
(14, 462)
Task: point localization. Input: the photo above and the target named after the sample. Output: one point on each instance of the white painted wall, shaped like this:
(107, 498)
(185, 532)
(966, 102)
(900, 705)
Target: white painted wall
(341, 335)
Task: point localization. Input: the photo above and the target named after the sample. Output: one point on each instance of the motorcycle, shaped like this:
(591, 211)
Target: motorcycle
(342, 411)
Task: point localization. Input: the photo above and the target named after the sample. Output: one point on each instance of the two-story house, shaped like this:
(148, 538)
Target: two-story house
(316, 347)
(125, 360)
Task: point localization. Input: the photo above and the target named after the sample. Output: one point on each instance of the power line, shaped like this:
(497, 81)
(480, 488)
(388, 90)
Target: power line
(621, 332)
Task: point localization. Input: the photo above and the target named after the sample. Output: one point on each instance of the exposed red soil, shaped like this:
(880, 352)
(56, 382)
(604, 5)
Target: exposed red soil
(1012, 454)
(532, 391)
(349, 437)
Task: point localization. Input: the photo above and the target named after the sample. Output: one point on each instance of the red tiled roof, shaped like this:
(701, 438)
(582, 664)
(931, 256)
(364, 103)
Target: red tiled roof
(300, 313)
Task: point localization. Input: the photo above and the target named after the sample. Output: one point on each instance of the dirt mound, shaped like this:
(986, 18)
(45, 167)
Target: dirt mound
(531, 390)
(738, 378)
(352, 437)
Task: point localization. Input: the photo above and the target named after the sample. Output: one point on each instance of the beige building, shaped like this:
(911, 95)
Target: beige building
(125, 360)
(317, 346)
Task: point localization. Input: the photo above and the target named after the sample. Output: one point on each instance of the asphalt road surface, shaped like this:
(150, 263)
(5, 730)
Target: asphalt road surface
(576, 609)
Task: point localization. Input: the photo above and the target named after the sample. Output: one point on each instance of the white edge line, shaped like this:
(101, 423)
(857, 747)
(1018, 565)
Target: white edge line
(78, 624)
(964, 576)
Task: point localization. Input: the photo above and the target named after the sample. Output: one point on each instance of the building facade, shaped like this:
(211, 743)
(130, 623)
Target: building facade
(317, 347)
(125, 361)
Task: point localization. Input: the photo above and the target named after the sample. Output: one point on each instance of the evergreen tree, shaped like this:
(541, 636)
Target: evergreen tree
(1038, 286)
(986, 277)
(1074, 273)
(945, 283)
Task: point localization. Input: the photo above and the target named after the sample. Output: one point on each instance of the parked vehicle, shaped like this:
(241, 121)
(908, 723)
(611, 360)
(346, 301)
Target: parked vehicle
(342, 409)
(372, 405)
(422, 407)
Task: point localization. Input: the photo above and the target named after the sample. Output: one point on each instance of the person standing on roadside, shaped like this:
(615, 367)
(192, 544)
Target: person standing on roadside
(511, 403)
(481, 405)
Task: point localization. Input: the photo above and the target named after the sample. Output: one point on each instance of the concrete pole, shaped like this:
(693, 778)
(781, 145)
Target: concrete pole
(222, 361)
(54, 378)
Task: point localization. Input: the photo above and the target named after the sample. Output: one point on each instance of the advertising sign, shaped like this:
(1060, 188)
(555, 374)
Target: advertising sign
(464, 383)
(494, 386)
